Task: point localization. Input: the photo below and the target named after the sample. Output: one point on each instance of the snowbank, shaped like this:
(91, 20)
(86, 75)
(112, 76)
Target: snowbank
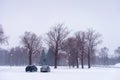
(117, 65)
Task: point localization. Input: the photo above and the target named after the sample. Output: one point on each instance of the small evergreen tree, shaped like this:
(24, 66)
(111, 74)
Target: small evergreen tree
(50, 57)
(43, 58)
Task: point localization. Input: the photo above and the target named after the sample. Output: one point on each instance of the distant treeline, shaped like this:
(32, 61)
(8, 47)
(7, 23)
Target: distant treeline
(18, 57)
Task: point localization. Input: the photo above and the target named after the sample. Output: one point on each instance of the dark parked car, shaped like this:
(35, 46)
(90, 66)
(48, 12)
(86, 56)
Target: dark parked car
(31, 68)
(45, 68)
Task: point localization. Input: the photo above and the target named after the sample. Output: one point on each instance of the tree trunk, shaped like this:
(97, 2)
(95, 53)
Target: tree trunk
(30, 58)
(56, 56)
(82, 65)
(69, 62)
(89, 52)
(77, 61)
(82, 61)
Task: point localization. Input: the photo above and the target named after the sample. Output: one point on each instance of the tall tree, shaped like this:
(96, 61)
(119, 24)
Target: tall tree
(70, 47)
(32, 43)
(81, 44)
(3, 38)
(93, 39)
(55, 37)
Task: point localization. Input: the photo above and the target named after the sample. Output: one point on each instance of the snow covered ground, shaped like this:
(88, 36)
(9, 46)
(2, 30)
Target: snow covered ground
(62, 73)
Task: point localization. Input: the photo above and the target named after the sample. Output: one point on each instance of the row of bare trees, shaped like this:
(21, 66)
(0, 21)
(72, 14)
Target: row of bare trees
(82, 45)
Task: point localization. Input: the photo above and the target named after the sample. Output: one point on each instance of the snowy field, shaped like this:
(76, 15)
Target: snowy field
(62, 73)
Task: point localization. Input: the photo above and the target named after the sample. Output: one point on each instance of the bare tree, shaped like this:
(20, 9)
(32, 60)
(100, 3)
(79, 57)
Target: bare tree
(3, 38)
(81, 45)
(56, 36)
(70, 46)
(93, 39)
(32, 43)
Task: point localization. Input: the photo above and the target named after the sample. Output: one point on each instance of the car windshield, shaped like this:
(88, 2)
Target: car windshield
(45, 66)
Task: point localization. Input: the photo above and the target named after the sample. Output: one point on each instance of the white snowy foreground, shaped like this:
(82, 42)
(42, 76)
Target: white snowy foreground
(95, 73)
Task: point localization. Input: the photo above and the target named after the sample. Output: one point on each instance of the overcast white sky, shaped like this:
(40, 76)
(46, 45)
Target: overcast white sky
(18, 16)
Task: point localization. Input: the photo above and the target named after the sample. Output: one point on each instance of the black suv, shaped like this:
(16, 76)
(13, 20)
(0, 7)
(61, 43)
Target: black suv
(31, 68)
